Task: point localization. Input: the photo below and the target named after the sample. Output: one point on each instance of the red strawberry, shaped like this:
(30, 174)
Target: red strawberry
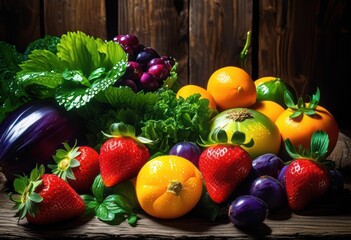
(122, 156)
(78, 165)
(46, 198)
(306, 177)
(223, 167)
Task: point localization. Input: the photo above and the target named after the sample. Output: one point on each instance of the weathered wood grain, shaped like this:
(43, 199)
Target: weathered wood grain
(217, 34)
(308, 44)
(88, 16)
(160, 24)
(330, 218)
(19, 22)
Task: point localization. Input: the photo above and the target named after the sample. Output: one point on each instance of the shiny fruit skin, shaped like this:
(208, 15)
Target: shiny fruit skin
(247, 211)
(254, 124)
(168, 186)
(270, 190)
(187, 150)
(305, 181)
(60, 201)
(268, 164)
(224, 167)
(269, 108)
(190, 89)
(231, 87)
(121, 159)
(300, 129)
(273, 89)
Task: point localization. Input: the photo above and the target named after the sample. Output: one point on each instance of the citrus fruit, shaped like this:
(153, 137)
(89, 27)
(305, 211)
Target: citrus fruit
(254, 124)
(269, 108)
(300, 129)
(168, 186)
(231, 87)
(273, 89)
(190, 89)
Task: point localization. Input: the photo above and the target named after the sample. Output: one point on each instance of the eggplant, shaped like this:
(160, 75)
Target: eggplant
(31, 135)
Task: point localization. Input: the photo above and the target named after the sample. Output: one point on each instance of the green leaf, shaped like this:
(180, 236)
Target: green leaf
(104, 214)
(98, 188)
(288, 100)
(35, 197)
(41, 61)
(319, 144)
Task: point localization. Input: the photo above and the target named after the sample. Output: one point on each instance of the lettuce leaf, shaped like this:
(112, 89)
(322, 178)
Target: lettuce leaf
(82, 67)
(172, 120)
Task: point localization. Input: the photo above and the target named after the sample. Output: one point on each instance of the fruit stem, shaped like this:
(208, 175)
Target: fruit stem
(175, 187)
(244, 52)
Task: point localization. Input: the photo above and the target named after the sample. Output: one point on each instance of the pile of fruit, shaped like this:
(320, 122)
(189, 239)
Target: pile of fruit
(97, 128)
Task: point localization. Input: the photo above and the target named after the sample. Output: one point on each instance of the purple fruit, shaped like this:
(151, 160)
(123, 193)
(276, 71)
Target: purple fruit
(148, 82)
(127, 40)
(247, 211)
(159, 71)
(336, 180)
(188, 150)
(281, 175)
(268, 164)
(270, 191)
(133, 71)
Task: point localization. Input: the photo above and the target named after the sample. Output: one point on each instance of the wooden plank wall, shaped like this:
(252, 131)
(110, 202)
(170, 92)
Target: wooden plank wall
(306, 43)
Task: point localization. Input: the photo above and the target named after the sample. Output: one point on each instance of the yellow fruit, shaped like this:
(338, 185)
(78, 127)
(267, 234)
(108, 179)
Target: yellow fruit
(191, 89)
(168, 186)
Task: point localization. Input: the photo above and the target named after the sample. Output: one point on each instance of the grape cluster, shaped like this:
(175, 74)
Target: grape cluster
(146, 69)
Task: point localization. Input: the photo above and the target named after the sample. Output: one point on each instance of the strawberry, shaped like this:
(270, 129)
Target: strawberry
(224, 166)
(307, 177)
(45, 198)
(123, 155)
(77, 165)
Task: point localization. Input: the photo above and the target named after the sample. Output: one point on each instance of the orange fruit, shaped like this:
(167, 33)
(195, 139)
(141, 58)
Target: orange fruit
(190, 89)
(231, 87)
(168, 186)
(300, 129)
(269, 108)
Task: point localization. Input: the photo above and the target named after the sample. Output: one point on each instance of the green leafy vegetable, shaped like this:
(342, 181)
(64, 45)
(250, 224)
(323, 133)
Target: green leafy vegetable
(173, 119)
(112, 205)
(48, 42)
(11, 94)
(81, 68)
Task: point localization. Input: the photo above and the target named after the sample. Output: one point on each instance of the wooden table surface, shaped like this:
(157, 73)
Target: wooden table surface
(329, 218)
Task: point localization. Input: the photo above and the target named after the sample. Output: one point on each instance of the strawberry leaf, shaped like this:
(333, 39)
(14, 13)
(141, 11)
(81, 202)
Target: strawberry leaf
(317, 151)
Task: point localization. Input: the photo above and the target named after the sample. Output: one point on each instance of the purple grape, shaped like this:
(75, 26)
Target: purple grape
(270, 191)
(129, 83)
(168, 59)
(148, 82)
(133, 71)
(247, 211)
(143, 58)
(159, 71)
(268, 164)
(155, 61)
(127, 40)
(188, 150)
(152, 52)
(129, 51)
